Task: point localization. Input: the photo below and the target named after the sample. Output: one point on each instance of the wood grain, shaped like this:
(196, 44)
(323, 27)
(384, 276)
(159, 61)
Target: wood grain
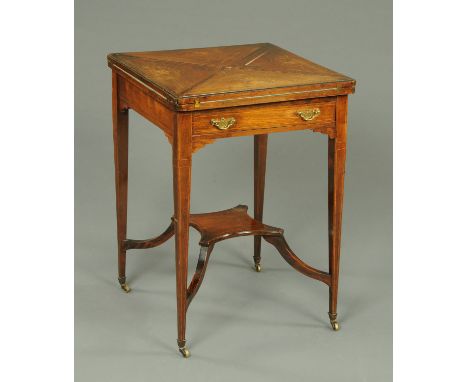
(226, 224)
(261, 86)
(199, 274)
(120, 134)
(277, 117)
(153, 242)
(279, 242)
(336, 173)
(182, 171)
(138, 99)
(207, 78)
(260, 154)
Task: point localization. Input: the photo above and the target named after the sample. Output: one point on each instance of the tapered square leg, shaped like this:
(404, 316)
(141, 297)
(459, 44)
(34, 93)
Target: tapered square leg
(336, 173)
(260, 153)
(182, 169)
(120, 133)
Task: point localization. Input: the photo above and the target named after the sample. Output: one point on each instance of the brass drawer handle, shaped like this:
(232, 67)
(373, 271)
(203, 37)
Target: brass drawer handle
(309, 115)
(223, 123)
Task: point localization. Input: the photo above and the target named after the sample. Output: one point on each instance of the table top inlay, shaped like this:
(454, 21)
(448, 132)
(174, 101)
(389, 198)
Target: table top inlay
(217, 74)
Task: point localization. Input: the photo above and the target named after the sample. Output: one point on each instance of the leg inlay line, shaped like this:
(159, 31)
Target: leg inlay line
(150, 243)
(279, 242)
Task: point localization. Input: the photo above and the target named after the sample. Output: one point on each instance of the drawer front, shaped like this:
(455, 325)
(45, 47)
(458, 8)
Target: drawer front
(316, 114)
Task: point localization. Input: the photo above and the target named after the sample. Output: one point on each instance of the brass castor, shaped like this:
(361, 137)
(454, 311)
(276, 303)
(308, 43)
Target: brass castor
(123, 284)
(125, 287)
(257, 267)
(185, 352)
(334, 323)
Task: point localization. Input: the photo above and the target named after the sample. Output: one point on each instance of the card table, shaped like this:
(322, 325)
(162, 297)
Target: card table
(197, 96)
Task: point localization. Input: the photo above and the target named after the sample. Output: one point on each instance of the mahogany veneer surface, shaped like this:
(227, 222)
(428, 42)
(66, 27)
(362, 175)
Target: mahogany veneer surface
(197, 96)
(220, 225)
(227, 75)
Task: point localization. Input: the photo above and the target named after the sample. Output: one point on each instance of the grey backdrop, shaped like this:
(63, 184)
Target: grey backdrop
(242, 326)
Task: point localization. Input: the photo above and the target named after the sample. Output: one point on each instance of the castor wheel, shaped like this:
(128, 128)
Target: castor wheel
(123, 284)
(334, 323)
(125, 287)
(257, 267)
(335, 326)
(185, 352)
